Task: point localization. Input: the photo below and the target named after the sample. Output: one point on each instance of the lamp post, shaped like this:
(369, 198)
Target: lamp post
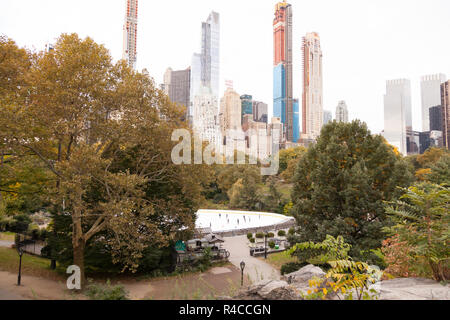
(20, 251)
(242, 272)
(265, 245)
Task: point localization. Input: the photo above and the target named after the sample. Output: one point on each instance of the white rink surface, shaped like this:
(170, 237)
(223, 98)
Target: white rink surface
(229, 220)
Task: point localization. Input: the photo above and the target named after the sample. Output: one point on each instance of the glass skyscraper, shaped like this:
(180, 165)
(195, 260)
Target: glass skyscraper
(205, 66)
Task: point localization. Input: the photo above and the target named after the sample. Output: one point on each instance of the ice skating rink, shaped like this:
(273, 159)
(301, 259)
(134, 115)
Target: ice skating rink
(229, 220)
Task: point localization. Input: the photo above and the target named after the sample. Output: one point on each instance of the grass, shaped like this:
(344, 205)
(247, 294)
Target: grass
(7, 236)
(276, 260)
(31, 265)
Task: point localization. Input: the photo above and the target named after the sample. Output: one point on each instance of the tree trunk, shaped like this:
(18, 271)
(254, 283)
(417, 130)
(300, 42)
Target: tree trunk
(78, 258)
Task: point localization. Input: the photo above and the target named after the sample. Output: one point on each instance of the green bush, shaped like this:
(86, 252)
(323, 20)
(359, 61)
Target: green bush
(281, 233)
(106, 292)
(292, 267)
(259, 235)
(291, 231)
(249, 235)
(20, 223)
(270, 235)
(271, 244)
(252, 240)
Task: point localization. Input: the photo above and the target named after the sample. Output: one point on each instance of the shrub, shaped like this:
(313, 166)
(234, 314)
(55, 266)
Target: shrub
(20, 223)
(259, 235)
(422, 219)
(270, 235)
(281, 233)
(292, 267)
(249, 235)
(399, 258)
(320, 253)
(252, 240)
(271, 244)
(291, 231)
(106, 292)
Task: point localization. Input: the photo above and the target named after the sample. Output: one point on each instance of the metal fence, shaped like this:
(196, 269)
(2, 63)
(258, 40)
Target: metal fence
(28, 244)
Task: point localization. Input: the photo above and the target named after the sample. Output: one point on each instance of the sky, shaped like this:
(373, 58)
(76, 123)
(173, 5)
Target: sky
(364, 43)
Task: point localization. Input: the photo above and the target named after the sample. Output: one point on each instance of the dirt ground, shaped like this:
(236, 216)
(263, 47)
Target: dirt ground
(215, 282)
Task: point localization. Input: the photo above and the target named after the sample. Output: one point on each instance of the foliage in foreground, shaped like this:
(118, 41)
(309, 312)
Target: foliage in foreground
(106, 292)
(347, 280)
(423, 223)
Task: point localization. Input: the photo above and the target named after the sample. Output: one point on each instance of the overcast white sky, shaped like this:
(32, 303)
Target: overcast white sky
(364, 42)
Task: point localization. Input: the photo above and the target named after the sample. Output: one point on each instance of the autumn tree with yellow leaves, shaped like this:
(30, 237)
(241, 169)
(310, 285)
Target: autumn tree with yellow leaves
(103, 132)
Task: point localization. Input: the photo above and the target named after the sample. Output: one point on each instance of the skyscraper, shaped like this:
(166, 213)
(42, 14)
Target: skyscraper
(130, 33)
(327, 117)
(397, 113)
(436, 118)
(205, 67)
(205, 121)
(282, 86)
(246, 105)
(177, 85)
(260, 111)
(230, 111)
(342, 112)
(312, 113)
(431, 96)
(445, 103)
(296, 121)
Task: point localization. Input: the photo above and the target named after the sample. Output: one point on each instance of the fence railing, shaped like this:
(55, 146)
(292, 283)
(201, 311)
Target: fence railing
(28, 244)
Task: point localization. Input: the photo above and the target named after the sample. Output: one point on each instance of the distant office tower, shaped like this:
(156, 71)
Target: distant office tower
(260, 111)
(230, 111)
(327, 117)
(283, 75)
(342, 112)
(205, 67)
(177, 85)
(445, 103)
(246, 105)
(397, 113)
(130, 33)
(205, 121)
(431, 96)
(435, 118)
(296, 121)
(312, 113)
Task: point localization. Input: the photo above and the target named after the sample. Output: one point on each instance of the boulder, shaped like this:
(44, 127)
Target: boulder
(303, 275)
(269, 290)
(411, 289)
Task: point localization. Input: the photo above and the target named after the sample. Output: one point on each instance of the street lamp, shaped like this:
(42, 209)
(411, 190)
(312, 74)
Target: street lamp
(20, 251)
(265, 245)
(242, 272)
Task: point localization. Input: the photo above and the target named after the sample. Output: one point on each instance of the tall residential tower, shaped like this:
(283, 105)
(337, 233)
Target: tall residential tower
(130, 33)
(431, 96)
(283, 75)
(397, 113)
(312, 113)
(342, 112)
(205, 67)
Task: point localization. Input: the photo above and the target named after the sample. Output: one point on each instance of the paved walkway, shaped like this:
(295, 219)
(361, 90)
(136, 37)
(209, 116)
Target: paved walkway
(6, 243)
(255, 268)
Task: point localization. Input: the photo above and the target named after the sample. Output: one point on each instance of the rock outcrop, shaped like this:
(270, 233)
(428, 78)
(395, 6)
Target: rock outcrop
(295, 285)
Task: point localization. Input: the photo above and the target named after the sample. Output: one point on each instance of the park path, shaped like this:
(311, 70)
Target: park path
(255, 268)
(6, 243)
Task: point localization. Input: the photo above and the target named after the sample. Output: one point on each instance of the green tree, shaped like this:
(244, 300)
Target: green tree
(341, 183)
(105, 138)
(440, 171)
(423, 222)
(244, 194)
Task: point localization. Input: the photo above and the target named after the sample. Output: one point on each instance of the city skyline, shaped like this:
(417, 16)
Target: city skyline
(361, 85)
